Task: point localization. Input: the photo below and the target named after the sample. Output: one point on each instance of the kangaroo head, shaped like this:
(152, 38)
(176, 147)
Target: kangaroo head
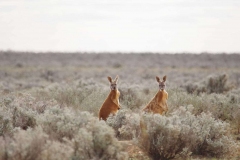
(162, 84)
(113, 83)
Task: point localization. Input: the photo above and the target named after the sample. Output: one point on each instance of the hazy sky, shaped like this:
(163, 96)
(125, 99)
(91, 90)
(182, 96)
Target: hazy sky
(120, 25)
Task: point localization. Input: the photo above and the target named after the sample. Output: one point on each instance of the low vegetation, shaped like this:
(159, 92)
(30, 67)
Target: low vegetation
(49, 110)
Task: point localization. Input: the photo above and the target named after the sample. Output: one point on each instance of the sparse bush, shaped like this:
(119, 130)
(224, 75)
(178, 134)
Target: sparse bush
(20, 111)
(51, 113)
(126, 124)
(6, 126)
(234, 96)
(14, 113)
(64, 94)
(48, 75)
(182, 134)
(221, 106)
(236, 117)
(218, 84)
(84, 96)
(97, 141)
(25, 145)
(133, 97)
(62, 122)
(23, 118)
(55, 150)
(213, 84)
(89, 137)
(117, 65)
(33, 144)
(94, 100)
(117, 121)
(63, 132)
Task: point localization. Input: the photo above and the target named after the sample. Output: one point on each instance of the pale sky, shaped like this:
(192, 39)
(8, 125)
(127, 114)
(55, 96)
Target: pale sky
(120, 25)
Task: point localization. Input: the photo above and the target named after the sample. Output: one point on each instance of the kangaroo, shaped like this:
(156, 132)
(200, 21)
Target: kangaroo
(159, 102)
(111, 105)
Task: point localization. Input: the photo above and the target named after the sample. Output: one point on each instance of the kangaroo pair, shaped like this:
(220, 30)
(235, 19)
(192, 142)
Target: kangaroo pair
(157, 105)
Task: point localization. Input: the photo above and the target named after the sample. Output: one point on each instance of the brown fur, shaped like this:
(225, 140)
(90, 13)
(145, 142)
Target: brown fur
(111, 104)
(158, 105)
(159, 102)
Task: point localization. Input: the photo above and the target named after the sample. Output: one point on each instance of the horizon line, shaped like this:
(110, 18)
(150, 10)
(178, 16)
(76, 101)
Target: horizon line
(115, 52)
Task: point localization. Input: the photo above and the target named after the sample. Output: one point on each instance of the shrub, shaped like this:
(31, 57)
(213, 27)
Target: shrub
(6, 125)
(88, 137)
(62, 122)
(93, 101)
(24, 145)
(33, 144)
(97, 141)
(55, 150)
(236, 117)
(213, 84)
(86, 96)
(126, 124)
(221, 106)
(63, 133)
(218, 84)
(64, 94)
(134, 97)
(14, 112)
(182, 134)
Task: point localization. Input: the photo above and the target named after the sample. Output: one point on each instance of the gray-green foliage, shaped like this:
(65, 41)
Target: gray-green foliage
(183, 134)
(212, 84)
(20, 111)
(134, 97)
(56, 113)
(97, 141)
(84, 96)
(33, 144)
(89, 137)
(126, 124)
(44, 130)
(221, 106)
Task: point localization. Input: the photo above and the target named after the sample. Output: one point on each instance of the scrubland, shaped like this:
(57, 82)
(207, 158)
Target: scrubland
(49, 105)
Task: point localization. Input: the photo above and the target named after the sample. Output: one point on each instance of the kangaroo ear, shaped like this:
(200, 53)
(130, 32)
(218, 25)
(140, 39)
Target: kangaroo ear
(110, 79)
(158, 79)
(164, 78)
(116, 79)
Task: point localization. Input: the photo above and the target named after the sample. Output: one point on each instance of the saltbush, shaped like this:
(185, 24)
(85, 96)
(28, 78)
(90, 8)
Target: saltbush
(183, 134)
(32, 144)
(134, 97)
(97, 141)
(20, 111)
(212, 84)
(221, 106)
(89, 137)
(63, 133)
(84, 96)
(126, 124)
